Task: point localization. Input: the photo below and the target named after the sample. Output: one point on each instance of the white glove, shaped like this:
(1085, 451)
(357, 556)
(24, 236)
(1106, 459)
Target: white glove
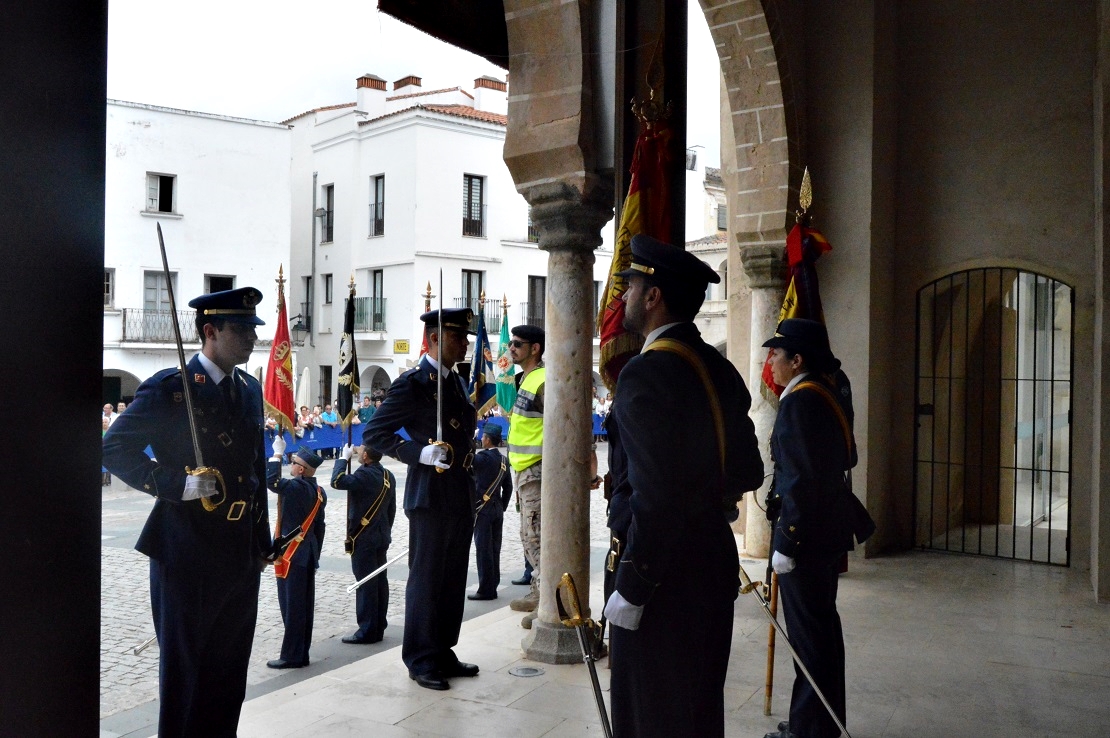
(279, 446)
(781, 563)
(620, 611)
(434, 455)
(199, 485)
(348, 451)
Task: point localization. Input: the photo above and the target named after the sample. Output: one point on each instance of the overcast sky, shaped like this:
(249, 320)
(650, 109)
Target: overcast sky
(271, 60)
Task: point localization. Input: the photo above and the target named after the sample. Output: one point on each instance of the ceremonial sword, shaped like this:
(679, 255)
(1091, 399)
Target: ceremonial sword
(586, 629)
(200, 467)
(747, 586)
(439, 382)
(376, 572)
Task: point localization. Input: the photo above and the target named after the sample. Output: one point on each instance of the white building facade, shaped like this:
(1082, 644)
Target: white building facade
(219, 188)
(394, 190)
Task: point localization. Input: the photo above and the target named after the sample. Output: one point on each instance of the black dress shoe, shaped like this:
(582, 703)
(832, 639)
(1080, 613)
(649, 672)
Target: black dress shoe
(480, 596)
(283, 664)
(356, 640)
(461, 669)
(431, 680)
(782, 732)
(523, 580)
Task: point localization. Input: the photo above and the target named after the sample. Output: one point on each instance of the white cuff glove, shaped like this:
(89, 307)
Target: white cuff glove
(348, 451)
(781, 563)
(436, 456)
(620, 611)
(199, 485)
(279, 446)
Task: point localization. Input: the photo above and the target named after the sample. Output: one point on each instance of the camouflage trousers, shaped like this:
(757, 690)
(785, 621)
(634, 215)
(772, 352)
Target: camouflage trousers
(528, 492)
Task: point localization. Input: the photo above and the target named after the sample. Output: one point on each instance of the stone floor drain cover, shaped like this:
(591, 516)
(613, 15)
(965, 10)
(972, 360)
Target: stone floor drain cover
(525, 671)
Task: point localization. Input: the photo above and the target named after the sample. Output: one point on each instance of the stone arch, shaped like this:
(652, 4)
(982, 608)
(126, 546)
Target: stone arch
(373, 378)
(761, 66)
(119, 384)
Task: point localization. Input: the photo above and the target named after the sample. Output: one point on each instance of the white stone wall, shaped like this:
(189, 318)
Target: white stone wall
(231, 215)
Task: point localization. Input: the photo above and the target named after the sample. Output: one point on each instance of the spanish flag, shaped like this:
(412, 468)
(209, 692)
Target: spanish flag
(278, 391)
(646, 210)
(803, 295)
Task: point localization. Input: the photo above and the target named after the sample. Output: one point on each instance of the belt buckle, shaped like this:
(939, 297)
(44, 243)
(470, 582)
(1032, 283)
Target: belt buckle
(614, 553)
(236, 510)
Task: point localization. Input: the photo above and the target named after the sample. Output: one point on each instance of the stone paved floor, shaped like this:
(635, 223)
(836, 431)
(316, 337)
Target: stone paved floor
(127, 680)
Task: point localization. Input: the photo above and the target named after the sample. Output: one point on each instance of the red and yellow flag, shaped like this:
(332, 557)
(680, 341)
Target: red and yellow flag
(803, 296)
(278, 391)
(646, 210)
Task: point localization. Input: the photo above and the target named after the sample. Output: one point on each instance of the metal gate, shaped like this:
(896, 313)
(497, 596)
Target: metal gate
(992, 444)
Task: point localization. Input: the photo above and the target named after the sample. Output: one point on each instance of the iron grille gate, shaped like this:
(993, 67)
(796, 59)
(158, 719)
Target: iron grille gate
(992, 443)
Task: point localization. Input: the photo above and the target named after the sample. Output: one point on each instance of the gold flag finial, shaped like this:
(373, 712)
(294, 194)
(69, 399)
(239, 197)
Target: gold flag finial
(281, 287)
(505, 303)
(805, 196)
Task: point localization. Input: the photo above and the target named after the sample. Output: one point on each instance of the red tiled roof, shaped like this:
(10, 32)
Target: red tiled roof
(459, 111)
(320, 110)
(718, 237)
(431, 92)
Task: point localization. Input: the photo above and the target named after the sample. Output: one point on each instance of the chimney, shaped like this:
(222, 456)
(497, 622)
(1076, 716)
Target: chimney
(491, 95)
(370, 91)
(410, 81)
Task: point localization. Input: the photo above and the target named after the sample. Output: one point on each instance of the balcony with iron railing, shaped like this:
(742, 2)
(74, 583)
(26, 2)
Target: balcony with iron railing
(370, 314)
(490, 308)
(377, 218)
(156, 326)
(474, 221)
(532, 314)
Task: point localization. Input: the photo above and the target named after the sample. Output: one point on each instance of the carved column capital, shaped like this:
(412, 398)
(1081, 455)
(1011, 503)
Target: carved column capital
(567, 219)
(764, 264)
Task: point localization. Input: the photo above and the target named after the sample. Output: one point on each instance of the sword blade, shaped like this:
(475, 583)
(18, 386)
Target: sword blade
(439, 358)
(377, 571)
(180, 351)
(754, 589)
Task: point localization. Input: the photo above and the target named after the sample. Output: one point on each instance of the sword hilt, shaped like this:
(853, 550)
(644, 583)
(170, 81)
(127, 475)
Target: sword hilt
(450, 453)
(746, 584)
(574, 618)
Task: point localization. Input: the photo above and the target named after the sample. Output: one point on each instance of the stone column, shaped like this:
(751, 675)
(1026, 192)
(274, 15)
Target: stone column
(765, 267)
(569, 227)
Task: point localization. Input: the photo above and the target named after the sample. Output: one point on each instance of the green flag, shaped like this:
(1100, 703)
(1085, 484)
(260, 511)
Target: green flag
(506, 383)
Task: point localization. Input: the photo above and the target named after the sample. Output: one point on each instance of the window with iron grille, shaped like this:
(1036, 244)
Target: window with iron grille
(473, 205)
(722, 217)
(327, 289)
(377, 205)
(533, 234)
(109, 288)
(161, 192)
(473, 283)
(218, 283)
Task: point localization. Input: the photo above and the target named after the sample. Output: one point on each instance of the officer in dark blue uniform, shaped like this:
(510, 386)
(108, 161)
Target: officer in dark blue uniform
(438, 496)
(688, 456)
(493, 488)
(301, 504)
(812, 446)
(208, 534)
(371, 509)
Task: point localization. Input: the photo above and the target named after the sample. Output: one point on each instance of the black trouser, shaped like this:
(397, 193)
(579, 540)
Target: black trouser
(205, 628)
(668, 676)
(297, 600)
(487, 549)
(439, 557)
(809, 607)
(372, 598)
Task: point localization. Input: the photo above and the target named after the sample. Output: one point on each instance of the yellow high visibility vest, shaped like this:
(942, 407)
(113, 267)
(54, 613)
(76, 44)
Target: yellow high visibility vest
(526, 423)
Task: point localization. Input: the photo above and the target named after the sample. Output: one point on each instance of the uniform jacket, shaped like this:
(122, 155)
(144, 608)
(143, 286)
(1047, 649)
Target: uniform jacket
(669, 443)
(818, 511)
(487, 465)
(620, 509)
(231, 439)
(298, 497)
(411, 404)
(363, 487)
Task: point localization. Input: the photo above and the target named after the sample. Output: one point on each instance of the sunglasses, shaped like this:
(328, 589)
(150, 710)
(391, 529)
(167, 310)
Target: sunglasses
(517, 343)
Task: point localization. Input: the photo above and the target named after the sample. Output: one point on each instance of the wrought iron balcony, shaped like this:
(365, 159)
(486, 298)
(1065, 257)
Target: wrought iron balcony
(370, 314)
(474, 221)
(156, 326)
(531, 314)
(377, 218)
(491, 309)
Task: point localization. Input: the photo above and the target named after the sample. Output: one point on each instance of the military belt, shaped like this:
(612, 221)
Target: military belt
(614, 553)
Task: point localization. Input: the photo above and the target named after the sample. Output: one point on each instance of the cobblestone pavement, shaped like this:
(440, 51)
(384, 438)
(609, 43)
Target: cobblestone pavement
(128, 680)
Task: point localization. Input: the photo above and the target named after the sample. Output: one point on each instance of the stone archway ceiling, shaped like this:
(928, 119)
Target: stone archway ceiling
(475, 25)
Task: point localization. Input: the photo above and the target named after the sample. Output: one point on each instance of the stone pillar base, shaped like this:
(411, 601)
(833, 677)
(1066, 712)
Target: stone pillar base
(551, 643)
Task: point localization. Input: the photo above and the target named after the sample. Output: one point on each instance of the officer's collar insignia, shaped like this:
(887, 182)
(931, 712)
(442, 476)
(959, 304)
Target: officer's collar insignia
(432, 376)
(178, 397)
(199, 378)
